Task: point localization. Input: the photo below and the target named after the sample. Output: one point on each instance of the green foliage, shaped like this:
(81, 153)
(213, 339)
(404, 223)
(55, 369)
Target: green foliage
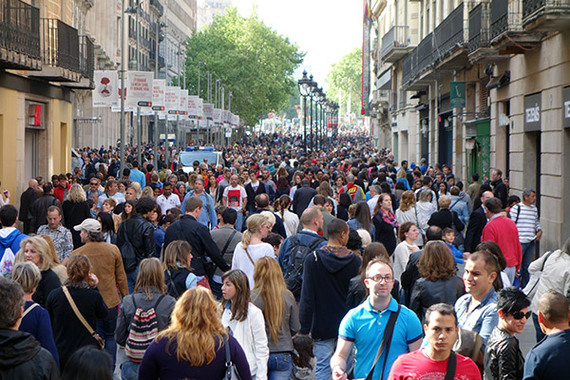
(346, 75)
(253, 62)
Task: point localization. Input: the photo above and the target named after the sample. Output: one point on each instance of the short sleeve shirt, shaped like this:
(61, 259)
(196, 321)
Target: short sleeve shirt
(365, 327)
(417, 366)
(235, 196)
(167, 203)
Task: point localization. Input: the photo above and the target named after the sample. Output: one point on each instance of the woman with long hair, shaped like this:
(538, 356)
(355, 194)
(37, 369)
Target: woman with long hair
(150, 292)
(385, 223)
(344, 203)
(362, 218)
(107, 226)
(290, 219)
(177, 270)
(56, 266)
(407, 212)
(408, 234)
(68, 331)
(212, 186)
(194, 345)
(36, 250)
(438, 282)
(128, 210)
(245, 321)
(279, 308)
(75, 210)
(296, 183)
(425, 206)
(252, 248)
(282, 184)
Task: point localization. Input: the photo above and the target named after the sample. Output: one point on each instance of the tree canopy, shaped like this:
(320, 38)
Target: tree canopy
(346, 75)
(252, 60)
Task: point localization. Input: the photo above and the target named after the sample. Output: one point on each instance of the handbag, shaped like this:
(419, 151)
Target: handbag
(230, 368)
(82, 320)
(468, 343)
(532, 286)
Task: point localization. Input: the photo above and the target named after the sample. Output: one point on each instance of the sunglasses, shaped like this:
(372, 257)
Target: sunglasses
(519, 314)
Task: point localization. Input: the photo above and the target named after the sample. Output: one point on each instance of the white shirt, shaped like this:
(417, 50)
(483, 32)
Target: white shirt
(372, 203)
(167, 203)
(242, 261)
(235, 196)
(400, 258)
(291, 222)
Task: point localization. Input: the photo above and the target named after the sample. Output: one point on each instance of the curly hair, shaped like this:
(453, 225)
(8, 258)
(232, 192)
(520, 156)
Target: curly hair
(408, 200)
(436, 262)
(76, 194)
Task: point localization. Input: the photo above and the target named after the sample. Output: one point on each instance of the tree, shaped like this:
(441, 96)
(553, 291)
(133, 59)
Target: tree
(346, 76)
(253, 62)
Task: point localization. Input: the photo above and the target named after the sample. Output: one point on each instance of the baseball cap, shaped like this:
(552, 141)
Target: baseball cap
(91, 225)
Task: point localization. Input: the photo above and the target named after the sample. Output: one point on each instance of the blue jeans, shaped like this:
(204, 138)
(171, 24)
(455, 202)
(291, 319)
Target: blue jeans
(239, 221)
(527, 256)
(132, 279)
(106, 329)
(130, 370)
(279, 366)
(324, 350)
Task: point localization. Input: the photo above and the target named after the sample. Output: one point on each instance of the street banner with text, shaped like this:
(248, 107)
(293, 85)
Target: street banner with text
(139, 89)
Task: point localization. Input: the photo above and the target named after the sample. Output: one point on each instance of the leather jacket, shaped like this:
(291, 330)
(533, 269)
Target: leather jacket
(503, 357)
(138, 232)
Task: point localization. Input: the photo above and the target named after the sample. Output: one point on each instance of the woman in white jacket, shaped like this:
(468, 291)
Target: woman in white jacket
(245, 322)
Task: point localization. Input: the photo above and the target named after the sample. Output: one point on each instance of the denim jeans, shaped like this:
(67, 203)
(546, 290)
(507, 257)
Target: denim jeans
(239, 221)
(539, 334)
(106, 329)
(130, 370)
(527, 256)
(132, 279)
(279, 366)
(324, 350)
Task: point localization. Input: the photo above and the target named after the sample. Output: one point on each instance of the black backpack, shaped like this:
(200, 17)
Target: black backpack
(294, 272)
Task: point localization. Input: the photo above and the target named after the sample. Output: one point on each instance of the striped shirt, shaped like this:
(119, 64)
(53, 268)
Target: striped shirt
(528, 222)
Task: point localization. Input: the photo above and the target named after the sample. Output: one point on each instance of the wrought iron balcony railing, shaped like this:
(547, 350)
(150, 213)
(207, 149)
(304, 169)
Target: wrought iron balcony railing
(449, 33)
(86, 57)
(506, 16)
(479, 27)
(60, 44)
(395, 43)
(425, 53)
(19, 33)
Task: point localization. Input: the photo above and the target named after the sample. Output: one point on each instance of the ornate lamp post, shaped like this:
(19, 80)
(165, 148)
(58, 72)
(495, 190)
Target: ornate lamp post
(304, 90)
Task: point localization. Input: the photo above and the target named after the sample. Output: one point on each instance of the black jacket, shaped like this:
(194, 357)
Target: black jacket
(477, 222)
(503, 357)
(49, 282)
(302, 198)
(278, 228)
(198, 235)
(251, 193)
(22, 357)
(426, 293)
(443, 219)
(28, 197)
(138, 232)
(500, 191)
(384, 233)
(73, 214)
(38, 209)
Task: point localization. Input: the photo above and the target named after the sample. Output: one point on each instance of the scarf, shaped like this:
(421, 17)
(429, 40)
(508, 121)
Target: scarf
(389, 218)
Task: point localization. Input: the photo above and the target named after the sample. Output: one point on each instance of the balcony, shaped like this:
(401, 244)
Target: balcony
(449, 35)
(409, 65)
(507, 33)
(425, 53)
(152, 55)
(60, 52)
(86, 64)
(395, 44)
(158, 6)
(19, 36)
(546, 15)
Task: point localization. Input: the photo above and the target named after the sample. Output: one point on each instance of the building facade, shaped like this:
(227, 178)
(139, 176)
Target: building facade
(485, 85)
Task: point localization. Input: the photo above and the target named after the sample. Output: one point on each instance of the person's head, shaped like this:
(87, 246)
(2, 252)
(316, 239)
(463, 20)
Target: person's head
(8, 216)
(54, 216)
(448, 235)
(128, 209)
(338, 232)
(12, 305)
(262, 200)
(111, 187)
(194, 206)
(36, 250)
(304, 346)
(379, 279)
(480, 273)
(235, 290)
(257, 224)
(27, 275)
(408, 200)
(434, 233)
(436, 262)
(552, 311)
(440, 327)
(270, 286)
(131, 193)
(90, 230)
(177, 253)
(107, 223)
(354, 242)
(199, 185)
(89, 363)
(444, 201)
(425, 196)
(529, 196)
(234, 180)
(312, 219)
(78, 268)
(496, 174)
(229, 216)
(150, 277)
(275, 241)
(167, 189)
(512, 307)
(492, 206)
(408, 231)
(454, 190)
(474, 177)
(108, 205)
(76, 193)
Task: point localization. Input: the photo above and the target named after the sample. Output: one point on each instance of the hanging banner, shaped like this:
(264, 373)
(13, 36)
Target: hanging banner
(457, 94)
(200, 105)
(183, 102)
(226, 118)
(171, 100)
(106, 92)
(139, 89)
(217, 116)
(192, 106)
(208, 111)
(158, 90)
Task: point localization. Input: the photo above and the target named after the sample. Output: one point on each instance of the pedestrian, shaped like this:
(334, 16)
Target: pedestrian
(61, 236)
(38, 209)
(26, 199)
(10, 238)
(408, 234)
(385, 223)
(226, 238)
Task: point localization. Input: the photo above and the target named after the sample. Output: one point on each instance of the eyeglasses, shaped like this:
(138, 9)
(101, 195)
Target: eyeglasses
(519, 315)
(93, 183)
(380, 278)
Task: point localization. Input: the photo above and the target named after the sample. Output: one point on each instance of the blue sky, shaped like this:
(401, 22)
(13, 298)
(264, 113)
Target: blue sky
(324, 29)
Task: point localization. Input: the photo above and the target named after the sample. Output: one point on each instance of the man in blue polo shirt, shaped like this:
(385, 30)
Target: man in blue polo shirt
(364, 327)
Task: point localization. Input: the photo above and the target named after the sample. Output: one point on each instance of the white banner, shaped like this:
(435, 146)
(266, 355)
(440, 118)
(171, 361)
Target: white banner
(200, 113)
(183, 102)
(106, 92)
(158, 89)
(139, 89)
(171, 99)
(192, 106)
(208, 111)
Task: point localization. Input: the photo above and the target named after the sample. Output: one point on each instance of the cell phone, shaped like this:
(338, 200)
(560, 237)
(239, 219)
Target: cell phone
(6, 192)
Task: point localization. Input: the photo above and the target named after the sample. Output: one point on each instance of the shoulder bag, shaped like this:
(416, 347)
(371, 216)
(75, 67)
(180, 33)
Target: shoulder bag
(385, 343)
(451, 366)
(532, 286)
(231, 371)
(82, 320)
(32, 306)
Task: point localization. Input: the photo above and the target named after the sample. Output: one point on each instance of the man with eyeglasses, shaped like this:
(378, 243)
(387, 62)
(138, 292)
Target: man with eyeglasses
(365, 326)
(94, 191)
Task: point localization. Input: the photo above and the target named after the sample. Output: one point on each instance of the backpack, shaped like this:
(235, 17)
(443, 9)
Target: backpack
(142, 331)
(294, 271)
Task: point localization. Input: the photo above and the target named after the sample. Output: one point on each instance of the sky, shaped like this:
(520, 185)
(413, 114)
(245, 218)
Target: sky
(325, 30)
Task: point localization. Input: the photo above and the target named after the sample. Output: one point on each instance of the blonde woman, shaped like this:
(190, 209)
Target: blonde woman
(252, 248)
(407, 212)
(75, 210)
(281, 315)
(37, 251)
(193, 346)
(56, 265)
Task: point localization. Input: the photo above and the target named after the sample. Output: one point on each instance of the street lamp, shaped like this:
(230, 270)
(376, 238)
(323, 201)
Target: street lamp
(304, 90)
(199, 65)
(230, 101)
(312, 93)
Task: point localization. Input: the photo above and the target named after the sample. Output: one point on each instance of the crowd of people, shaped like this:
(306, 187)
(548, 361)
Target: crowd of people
(277, 264)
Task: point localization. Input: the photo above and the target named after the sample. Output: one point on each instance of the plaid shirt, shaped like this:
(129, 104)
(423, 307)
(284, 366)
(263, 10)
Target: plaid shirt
(62, 240)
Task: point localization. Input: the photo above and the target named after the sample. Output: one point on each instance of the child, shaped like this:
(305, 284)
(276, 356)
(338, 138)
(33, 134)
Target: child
(304, 361)
(448, 238)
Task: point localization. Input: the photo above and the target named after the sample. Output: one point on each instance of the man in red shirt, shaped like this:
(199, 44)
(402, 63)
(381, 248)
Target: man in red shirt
(504, 232)
(436, 359)
(60, 191)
